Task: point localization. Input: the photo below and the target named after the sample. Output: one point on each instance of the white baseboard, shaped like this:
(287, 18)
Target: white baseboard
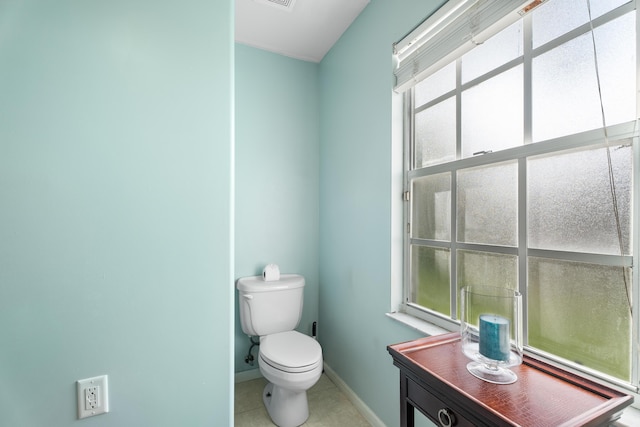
(366, 412)
(243, 376)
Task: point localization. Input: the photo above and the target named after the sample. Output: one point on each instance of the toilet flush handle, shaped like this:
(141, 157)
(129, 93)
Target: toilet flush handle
(248, 296)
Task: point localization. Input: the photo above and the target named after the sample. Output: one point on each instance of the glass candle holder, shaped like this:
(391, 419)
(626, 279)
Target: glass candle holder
(491, 332)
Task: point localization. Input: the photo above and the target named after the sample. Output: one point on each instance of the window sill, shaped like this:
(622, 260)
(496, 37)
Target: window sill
(630, 417)
(419, 325)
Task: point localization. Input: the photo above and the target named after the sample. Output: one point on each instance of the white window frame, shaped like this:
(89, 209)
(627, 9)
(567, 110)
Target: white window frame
(615, 133)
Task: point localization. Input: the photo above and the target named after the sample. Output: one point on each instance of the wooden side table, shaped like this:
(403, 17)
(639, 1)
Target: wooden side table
(434, 379)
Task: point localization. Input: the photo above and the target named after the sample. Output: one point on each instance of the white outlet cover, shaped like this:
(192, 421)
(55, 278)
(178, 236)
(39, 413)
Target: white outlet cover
(93, 396)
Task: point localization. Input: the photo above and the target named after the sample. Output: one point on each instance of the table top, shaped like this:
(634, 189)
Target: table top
(542, 396)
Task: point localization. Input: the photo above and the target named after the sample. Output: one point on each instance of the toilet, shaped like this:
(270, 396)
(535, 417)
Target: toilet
(290, 361)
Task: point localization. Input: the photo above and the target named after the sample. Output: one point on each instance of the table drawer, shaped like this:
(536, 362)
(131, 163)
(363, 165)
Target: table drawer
(434, 408)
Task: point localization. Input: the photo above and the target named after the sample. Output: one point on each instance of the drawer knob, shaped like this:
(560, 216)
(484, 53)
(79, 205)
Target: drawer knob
(446, 418)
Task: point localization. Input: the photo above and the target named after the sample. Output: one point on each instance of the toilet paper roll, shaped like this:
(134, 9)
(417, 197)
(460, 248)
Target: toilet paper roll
(271, 272)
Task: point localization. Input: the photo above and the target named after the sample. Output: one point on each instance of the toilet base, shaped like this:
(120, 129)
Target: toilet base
(286, 408)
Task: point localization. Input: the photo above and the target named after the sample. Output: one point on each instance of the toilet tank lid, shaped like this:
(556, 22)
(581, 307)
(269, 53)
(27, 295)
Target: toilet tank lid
(258, 284)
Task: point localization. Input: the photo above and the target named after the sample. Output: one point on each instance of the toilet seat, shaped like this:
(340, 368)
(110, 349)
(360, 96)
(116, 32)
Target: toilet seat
(291, 351)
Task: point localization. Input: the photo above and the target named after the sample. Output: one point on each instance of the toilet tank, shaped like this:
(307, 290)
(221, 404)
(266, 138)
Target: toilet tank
(270, 307)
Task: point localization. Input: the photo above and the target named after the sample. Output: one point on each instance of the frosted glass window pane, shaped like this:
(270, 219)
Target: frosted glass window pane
(581, 312)
(436, 85)
(558, 17)
(570, 203)
(498, 50)
(431, 210)
(430, 278)
(435, 134)
(600, 7)
(488, 205)
(565, 89)
(492, 114)
(616, 48)
(487, 269)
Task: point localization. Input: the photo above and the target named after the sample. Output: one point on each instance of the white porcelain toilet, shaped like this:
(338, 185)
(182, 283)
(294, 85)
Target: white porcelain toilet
(289, 360)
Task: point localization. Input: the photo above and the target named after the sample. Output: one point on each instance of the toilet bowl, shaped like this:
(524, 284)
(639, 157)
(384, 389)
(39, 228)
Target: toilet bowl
(292, 363)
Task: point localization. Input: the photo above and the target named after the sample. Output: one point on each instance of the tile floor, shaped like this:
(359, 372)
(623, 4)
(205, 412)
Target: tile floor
(328, 406)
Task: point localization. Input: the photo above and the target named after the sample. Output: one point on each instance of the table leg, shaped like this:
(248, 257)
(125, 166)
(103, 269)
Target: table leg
(406, 409)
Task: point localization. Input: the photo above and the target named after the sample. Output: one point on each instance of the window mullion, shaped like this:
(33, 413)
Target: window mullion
(408, 166)
(527, 79)
(459, 109)
(635, 275)
(523, 273)
(583, 257)
(453, 274)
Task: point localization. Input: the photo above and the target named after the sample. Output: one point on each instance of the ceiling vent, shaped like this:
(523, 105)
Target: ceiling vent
(280, 4)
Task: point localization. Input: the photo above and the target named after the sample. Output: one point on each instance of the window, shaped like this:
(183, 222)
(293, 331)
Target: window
(521, 167)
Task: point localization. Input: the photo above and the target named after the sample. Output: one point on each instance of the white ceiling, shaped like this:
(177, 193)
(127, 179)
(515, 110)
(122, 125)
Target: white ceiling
(307, 31)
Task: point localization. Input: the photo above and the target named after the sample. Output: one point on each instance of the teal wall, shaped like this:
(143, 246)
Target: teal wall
(116, 217)
(277, 174)
(356, 202)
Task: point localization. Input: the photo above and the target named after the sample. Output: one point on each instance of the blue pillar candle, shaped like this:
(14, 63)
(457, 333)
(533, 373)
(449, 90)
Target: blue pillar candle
(494, 337)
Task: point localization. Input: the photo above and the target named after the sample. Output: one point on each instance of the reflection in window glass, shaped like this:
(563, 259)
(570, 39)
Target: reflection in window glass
(581, 313)
(430, 283)
(488, 205)
(570, 201)
(498, 50)
(492, 114)
(431, 212)
(435, 134)
(436, 85)
(487, 269)
(565, 87)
